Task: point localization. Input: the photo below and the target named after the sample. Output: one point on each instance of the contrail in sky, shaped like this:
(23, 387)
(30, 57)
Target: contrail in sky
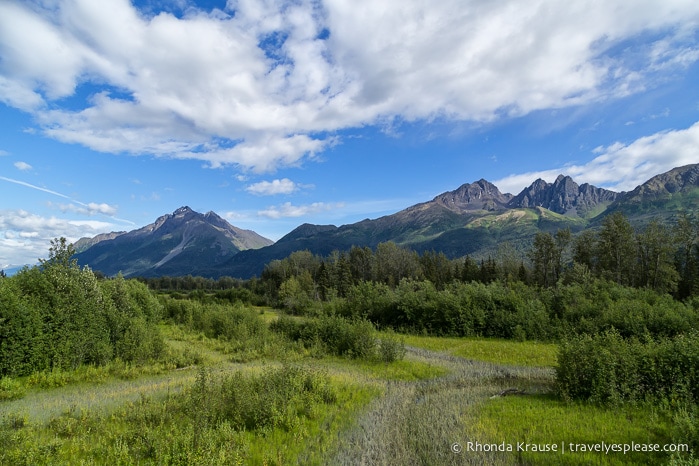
(39, 188)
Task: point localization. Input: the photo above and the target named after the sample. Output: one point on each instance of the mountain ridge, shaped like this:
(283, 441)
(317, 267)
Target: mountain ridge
(474, 219)
(184, 242)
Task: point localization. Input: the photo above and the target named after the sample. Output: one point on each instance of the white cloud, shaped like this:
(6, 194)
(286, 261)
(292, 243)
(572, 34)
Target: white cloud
(264, 83)
(270, 188)
(622, 167)
(91, 208)
(82, 208)
(25, 237)
(23, 166)
(289, 210)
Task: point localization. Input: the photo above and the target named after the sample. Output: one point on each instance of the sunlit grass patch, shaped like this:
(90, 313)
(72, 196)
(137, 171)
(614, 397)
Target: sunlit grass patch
(545, 420)
(267, 314)
(404, 369)
(508, 352)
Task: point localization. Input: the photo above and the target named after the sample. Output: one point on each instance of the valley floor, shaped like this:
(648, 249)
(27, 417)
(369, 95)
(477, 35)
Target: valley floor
(432, 408)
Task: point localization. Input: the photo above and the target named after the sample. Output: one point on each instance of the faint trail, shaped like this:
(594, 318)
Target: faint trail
(418, 422)
(40, 406)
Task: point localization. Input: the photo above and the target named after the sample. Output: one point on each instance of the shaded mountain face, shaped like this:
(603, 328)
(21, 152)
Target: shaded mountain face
(181, 243)
(563, 196)
(663, 196)
(676, 181)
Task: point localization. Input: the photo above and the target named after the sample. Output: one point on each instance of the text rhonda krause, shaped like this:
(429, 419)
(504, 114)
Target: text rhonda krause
(565, 447)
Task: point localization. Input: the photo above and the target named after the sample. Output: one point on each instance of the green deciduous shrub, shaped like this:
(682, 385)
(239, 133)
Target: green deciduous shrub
(58, 316)
(391, 347)
(275, 398)
(338, 335)
(609, 369)
(11, 389)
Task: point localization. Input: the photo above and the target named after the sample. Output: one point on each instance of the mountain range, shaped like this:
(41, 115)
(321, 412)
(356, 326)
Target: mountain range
(474, 219)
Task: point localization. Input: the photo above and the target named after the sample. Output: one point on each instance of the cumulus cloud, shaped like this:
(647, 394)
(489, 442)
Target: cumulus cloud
(267, 84)
(23, 166)
(270, 188)
(622, 167)
(91, 208)
(289, 210)
(23, 234)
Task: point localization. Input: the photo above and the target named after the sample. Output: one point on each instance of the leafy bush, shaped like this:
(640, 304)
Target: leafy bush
(608, 369)
(336, 335)
(58, 316)
(11, 389)
(391, 348)
(275, 398)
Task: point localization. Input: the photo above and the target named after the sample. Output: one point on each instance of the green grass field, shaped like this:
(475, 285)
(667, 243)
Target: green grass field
(528, 353)
(424, 409)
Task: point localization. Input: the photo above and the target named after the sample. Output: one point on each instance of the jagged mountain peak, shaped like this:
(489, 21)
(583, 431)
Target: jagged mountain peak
(473, 219)
(183, 242)
(563, 196)
(182, 211)
(479, 195)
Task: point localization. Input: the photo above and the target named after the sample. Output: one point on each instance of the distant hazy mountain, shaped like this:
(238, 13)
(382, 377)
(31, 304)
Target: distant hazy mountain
(474, 219)
(181, 243)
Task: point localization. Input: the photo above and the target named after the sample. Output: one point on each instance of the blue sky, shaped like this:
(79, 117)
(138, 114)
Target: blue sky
(276, 113)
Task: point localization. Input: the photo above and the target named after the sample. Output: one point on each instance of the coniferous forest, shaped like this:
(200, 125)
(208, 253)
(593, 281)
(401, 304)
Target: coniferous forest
(316, 346)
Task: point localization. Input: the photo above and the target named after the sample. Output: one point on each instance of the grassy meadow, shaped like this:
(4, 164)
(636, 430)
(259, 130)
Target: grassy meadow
(273, 400)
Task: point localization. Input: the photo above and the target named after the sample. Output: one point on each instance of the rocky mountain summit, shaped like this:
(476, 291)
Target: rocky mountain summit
(563, 196)
(480, 195)
(181, 243)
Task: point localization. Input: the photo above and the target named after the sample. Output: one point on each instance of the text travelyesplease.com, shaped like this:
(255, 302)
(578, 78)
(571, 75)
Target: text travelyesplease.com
(569, 447)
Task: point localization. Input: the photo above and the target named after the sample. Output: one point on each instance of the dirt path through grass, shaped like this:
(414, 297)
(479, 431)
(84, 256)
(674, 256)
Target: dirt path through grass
(419, 422)
(40, 406)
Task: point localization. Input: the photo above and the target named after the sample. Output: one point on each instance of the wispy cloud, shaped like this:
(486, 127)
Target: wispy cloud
(23, 166)
(622, 167)
(38, 188)
(234, 97)
(289, 210)
(90, 208)
(270, 188)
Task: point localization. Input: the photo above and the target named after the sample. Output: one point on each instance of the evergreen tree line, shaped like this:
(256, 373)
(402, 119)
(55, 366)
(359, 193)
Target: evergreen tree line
(612, 277)
(58, 316)
(660, 257)
(191, 283)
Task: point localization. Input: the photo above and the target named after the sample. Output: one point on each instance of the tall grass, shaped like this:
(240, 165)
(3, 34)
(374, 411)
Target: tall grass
(279, 416)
